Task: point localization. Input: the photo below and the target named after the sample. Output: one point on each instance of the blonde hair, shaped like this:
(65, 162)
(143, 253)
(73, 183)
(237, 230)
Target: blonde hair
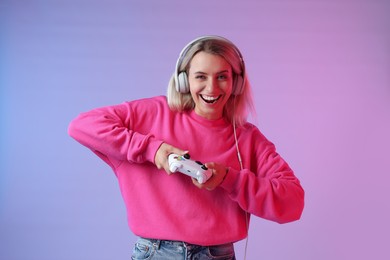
(238, 106)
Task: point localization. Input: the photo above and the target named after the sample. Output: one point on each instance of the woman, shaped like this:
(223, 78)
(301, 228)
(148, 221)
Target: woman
(204, 114)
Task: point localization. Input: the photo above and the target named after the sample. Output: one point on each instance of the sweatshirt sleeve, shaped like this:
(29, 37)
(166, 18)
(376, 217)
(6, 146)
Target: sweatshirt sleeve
(109, 132)
(270, 190)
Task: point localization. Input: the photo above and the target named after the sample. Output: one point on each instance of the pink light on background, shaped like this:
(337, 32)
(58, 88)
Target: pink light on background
(320, 75)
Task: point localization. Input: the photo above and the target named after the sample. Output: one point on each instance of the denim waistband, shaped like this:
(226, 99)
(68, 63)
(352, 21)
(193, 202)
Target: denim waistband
(158, 242)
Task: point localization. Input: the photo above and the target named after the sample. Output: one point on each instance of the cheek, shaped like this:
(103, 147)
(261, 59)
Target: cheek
(194, 96)
(194, 87)
(194, 93)
(228, 88)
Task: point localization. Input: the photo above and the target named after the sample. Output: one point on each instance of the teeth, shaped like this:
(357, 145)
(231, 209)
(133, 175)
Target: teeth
(210, 99)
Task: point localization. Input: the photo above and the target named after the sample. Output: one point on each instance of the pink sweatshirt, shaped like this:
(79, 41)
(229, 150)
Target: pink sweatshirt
(163, 206)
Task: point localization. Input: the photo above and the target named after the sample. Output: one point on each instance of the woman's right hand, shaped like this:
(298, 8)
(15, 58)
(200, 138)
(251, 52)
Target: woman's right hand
(161, 157)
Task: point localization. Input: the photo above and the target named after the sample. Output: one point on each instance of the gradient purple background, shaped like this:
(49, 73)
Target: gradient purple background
(320, 74)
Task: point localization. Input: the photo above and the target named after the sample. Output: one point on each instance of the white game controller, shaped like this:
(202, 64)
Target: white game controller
(183, 164)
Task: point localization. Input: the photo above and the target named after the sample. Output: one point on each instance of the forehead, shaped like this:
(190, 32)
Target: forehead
(207, 62)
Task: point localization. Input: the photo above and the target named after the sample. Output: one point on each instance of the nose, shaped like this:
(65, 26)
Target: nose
(212, 84)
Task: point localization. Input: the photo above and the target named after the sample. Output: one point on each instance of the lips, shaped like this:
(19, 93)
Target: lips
(210, 99)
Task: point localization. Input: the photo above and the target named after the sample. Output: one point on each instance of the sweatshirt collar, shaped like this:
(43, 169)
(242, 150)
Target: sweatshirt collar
(221, 122)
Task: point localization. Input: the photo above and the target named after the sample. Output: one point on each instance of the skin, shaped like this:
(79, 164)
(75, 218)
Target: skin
(211, 83)
(210, 78)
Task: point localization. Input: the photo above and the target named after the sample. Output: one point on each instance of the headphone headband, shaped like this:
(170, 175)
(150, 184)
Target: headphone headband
(181, 78)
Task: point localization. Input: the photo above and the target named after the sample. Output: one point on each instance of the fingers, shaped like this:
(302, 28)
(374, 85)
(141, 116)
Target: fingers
(161, 157)
(169, 149)
(178, 151)
(210, 165)
(218, 174)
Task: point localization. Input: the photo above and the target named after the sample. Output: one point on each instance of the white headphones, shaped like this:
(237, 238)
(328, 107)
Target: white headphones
(181, 78)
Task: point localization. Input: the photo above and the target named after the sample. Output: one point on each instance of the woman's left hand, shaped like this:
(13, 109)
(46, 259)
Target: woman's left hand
(218, 175)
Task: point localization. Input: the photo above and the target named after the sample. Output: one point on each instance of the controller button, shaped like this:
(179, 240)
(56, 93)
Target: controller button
(187, 156)
(204, 167)
(198, 162)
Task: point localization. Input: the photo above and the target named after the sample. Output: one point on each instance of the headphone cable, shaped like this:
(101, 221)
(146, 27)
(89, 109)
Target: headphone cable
(241, 167)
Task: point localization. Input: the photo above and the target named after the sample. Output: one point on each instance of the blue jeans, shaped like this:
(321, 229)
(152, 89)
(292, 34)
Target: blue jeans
(174, 250)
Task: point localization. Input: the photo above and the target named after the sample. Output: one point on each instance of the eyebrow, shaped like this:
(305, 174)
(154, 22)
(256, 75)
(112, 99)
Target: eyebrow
(221, 72)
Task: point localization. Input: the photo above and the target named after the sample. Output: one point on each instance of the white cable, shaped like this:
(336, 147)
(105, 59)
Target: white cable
(241, 167)
(236, 141)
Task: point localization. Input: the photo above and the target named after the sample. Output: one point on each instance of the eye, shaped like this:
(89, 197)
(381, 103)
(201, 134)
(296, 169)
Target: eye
(200, 77)
(223, 77)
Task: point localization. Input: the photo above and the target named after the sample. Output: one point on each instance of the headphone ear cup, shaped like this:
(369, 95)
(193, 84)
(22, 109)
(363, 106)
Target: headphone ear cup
(182, 83)
(238, 85)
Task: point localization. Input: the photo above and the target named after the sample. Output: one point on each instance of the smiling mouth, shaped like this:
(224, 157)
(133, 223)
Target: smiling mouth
(210, 99)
